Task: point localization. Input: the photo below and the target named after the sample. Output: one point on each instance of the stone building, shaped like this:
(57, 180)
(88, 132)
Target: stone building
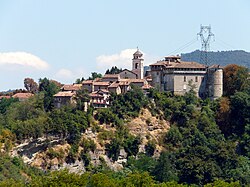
(137, 64)
(63, 98)
(100, 98)
(127, 74)
(174, 75)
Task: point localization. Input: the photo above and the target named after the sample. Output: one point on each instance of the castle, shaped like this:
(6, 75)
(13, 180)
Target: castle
(178, 77)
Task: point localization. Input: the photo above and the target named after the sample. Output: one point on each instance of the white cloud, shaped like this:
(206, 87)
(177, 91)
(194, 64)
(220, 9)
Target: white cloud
(121, 60)
(23, 59)
(64, 73)
(68, 76)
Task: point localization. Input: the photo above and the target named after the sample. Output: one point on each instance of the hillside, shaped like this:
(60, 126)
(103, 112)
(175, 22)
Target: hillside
(153, 139)
(223, 58)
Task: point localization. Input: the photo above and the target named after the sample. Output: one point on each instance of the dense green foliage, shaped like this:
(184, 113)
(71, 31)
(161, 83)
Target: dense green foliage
(49, 88)
(5, 103)
(113, 70)
(95, 75)
(15, 169)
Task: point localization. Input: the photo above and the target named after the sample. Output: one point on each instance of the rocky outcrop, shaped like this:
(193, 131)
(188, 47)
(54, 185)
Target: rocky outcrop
(149, 127)
(51, 152)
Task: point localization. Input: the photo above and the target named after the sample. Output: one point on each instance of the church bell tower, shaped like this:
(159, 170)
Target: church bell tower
(137, 64)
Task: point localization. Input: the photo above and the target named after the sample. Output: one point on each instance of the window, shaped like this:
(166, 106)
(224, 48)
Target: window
(136, 65)
(185, 79)
(184, 87)
(196, 79)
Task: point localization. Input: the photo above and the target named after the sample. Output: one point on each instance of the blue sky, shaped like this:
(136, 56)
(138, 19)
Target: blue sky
(65, 40)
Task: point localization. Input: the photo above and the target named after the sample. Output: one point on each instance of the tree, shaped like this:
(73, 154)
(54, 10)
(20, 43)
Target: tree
(164, 170)
(142, 163)
(113, 70)
(235, 78)
(95, 75)
(49, 88)
(82, 96)
(5, 103)
(79, 81)
(240, 116)
(223, 116)
(30, 85)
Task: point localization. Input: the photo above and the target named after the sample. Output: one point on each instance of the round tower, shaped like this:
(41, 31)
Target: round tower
(137, 64)
(217, 83)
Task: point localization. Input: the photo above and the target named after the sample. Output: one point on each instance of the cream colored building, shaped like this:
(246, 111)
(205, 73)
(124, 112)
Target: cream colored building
(137, 64)
(174, 75)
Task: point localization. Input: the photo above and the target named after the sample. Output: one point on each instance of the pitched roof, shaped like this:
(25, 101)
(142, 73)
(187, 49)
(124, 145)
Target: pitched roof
(71, 87)
(22, 95)
(5, 96)
(87, 82)
(124, 82)
(101, 83)
(179, 64)
(114, 85)
(215, 66)
(64, 94)
(111, 76)
(128, 71)
(95, 94)
(132, 80)
(103, 90)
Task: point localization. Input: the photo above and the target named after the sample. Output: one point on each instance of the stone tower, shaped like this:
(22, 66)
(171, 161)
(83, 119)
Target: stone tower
(137, 64)
(215, 82)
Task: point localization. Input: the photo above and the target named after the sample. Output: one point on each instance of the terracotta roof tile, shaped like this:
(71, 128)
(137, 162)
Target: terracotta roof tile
(101, 83)
(128, 71)
(111, 76)
(180, 64)
(114, 85)
(23, 95)
(103, 90)
(87, 82)
(71, 87)
(95, 94)
(64, 94)
(5, 96)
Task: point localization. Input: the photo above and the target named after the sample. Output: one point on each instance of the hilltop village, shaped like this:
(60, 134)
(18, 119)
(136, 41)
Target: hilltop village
(170, 75)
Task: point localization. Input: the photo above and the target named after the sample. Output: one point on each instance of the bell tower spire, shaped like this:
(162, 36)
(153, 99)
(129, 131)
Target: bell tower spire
(137, 64)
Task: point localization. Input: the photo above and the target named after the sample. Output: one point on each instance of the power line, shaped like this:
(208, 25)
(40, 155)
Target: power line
(183, 46)
(205, 36)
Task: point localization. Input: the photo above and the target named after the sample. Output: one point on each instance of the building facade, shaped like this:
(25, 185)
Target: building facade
(137, 64)
(178, 77)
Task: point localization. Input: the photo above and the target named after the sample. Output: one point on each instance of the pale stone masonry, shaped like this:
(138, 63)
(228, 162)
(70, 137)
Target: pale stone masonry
(178, 77)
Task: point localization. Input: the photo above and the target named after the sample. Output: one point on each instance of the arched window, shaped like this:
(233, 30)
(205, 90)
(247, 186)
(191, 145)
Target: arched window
(185, 79)
(196, 79)
(136, 65)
